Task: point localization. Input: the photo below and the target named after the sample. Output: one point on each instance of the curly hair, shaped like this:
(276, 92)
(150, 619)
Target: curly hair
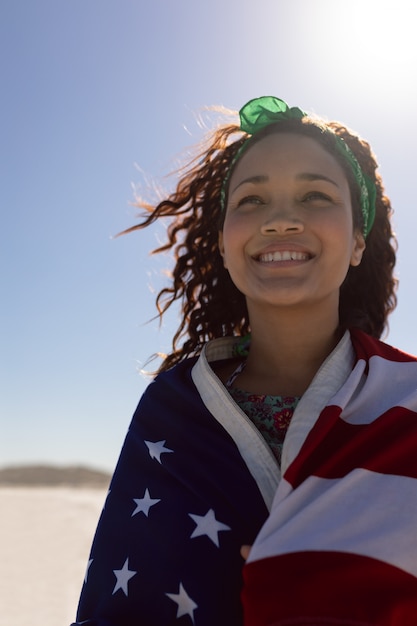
(211, 305)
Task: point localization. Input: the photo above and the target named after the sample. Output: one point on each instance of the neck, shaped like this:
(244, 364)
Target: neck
(285, 354)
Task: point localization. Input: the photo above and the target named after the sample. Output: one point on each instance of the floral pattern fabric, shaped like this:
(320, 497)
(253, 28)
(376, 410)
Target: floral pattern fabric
(270, 414)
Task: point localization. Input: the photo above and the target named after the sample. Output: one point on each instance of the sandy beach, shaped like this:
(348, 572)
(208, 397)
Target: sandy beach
(45, 538)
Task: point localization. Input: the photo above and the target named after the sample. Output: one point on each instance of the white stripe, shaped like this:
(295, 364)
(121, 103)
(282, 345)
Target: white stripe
(252, 446)
(388, 384)
(332, 375)
(364, 513)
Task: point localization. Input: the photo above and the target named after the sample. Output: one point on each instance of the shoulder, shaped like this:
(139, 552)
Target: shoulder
(179, 389)
(218, 355)
(172, 381)
(366, 347)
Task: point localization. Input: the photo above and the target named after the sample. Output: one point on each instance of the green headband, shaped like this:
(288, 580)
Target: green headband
(267, 110)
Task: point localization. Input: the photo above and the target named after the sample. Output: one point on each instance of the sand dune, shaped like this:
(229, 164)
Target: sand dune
(45, 538)
(52, 476)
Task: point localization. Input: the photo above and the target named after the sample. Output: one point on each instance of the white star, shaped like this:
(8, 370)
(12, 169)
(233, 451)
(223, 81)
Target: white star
(144, 504)
(122, 577)
(156, 448)
(208, 525)
(186, 606)
(86, 571)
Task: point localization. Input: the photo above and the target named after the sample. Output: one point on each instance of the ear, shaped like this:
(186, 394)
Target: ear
(358, 249)
(221, 246)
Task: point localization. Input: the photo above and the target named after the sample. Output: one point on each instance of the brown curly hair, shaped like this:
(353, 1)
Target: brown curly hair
(211, 305)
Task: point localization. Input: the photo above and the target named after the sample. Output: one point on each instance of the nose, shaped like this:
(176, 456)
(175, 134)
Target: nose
(282, 221)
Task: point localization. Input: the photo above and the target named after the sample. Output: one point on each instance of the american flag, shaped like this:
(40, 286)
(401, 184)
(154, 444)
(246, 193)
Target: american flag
(340, 545)
(181, 504)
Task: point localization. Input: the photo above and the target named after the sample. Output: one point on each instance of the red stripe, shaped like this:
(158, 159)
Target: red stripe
(366, 347)
(327, 589)
(334, 448)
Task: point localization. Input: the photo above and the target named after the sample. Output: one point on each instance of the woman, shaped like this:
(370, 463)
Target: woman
(281, 421)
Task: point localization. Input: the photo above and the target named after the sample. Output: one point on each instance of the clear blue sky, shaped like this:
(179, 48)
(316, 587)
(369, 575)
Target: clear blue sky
(98, 96)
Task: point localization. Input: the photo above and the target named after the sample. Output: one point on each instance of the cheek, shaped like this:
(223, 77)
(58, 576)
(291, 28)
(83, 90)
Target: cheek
(237, 229)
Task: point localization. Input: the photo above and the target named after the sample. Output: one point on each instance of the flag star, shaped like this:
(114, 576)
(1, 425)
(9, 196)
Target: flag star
(208, 525)
(156, 448)
(144, 504)
(122, 577)
(86, 571)
(186, 606)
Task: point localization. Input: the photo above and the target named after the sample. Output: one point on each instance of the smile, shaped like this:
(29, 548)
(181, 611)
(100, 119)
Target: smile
(283, 255)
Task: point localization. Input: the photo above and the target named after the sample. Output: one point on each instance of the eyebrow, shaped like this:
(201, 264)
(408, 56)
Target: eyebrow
(309, 176)
(252, 179)
(314, 176)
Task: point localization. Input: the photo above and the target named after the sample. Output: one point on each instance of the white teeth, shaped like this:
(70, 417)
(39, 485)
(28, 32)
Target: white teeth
(285, 255)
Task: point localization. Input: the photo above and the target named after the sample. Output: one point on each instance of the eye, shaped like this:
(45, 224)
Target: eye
(317, 196)
(248, 200)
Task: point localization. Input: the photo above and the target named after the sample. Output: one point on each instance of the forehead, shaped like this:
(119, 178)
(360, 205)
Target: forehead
(285, 153)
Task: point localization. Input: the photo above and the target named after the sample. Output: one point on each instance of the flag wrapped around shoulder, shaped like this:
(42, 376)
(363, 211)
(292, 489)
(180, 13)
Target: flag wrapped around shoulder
(181, 504)
(340, 545)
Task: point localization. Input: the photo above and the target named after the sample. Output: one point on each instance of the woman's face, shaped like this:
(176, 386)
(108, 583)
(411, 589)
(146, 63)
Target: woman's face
(288, 237)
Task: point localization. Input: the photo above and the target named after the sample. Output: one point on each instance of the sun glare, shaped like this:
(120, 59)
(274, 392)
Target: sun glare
(372, 42)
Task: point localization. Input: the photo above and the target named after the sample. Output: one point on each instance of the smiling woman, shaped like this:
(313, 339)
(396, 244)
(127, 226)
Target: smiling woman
(288, 241)
(299, 207)
(271, 421)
